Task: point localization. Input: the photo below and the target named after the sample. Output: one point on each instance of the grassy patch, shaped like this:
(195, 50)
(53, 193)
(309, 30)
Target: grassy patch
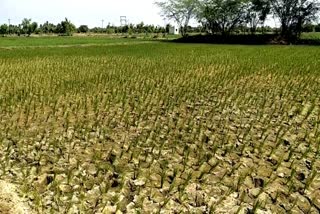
(60, 41)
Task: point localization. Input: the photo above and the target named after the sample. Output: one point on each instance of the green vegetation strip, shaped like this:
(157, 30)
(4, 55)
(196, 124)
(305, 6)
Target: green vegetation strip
(76, 45)
(55, 41)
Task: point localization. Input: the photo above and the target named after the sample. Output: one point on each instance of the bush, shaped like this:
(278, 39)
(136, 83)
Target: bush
(83, 29)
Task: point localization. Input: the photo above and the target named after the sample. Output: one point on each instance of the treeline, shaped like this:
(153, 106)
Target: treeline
(140, 28)
(27, 27)
(67, 28)
(225, 17)
(222, 17)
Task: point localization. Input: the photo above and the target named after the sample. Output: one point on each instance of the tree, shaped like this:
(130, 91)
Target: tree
(140, 27)
(124, 29)
(48, 28)
(258, 11)
(308, 28)
(66, 28)
(4, 29)
(168, 26)
(293, 14)
(83, 29)
(180, 11)
(110, 30)
(33, 27)
(27, 27)
(223, 15)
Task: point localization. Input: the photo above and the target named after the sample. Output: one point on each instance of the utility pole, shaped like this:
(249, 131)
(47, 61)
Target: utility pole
(9, 20)
(102, 23)
(123, 21)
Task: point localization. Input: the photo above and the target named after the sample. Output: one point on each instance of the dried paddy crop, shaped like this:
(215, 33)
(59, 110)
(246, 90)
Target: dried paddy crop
(162, 128)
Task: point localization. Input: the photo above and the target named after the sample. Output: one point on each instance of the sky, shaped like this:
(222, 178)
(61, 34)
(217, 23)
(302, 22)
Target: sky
(87, 12)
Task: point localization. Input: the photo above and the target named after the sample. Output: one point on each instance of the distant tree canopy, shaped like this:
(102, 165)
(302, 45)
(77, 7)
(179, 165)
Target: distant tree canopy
(140, 28)
(258, 11)
(47, 28)
(180, 11)
(4, 29)
(225, 16)
(293, 14)
(66, 28)
(83, 29)
(215, 16)
(28, 27)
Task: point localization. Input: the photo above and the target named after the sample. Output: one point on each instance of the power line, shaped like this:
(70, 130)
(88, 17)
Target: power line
(123, 21)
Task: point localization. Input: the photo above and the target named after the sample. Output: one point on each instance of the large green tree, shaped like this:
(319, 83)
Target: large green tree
(223, 16)
(66, 28)
(293, 14)
(47, 28)
(4, 29)
(180, 11)
(28, 27)
(83, 29)
(258, 11)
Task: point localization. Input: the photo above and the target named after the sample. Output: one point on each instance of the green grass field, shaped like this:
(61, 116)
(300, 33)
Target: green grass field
(49, 41)
(149, 127)
(315, 36)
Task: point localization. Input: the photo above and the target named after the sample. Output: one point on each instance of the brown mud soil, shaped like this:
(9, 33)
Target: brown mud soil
(10, 202)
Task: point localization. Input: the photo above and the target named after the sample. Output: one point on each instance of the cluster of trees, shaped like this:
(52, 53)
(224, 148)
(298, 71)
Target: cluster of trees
(140, 28)
(225, 16)
(27, 27)
(215, 16)
(67, 28)
(311, 28)
(131, 29)
(63, 28)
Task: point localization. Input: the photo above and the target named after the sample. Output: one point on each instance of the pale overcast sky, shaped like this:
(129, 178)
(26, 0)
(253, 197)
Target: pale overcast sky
(88, 12)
